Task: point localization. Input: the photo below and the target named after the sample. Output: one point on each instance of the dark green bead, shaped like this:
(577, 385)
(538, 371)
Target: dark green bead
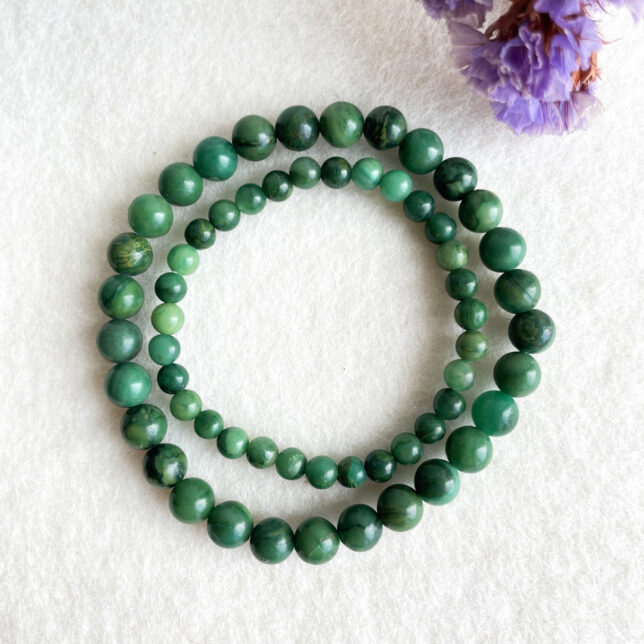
(449, 404)
(351, 472)
(406, 448)
(254, 137)
(208, 424)
(232, 442)
(418, 206)
(502, 249)
(127, 384)
(321, 472)
(215, 158)
(200, 234)
(230, 524)
(172, 378)
(167, 318)
(271, 540)
(429, 428)
(532, 331)
(164, 465)
(367, 173)
(277, 186)
(316, 540)
(440, 228)
(143, 426)
(469, 449)
(480, 211)
(517, 291)
(454, 178)
(129, 254)
(183, 259)
(250, 198)
(297, 128)
(359, 527)
(517, 374)
(341, 124)
(224, 214)
(119, 340)
(451, 255)
(336, 172)
(291, 463)
(170, 287)
(385, 127)
(437, 481)
(164, 349)
(471, 314)
(461, 284)
(495, 413)
(459, 375)
(380, 465)
(305, 173)
(400, 508)
(185, 404)
(120, 297)
(421, 151)
(180, 184)
(261, 452)
(150, 216)
(191, 500)
(395, 185)
(472, 345)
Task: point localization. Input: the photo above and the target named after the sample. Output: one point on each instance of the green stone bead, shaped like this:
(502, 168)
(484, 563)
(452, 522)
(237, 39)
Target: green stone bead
(472, 345)
(164, 465)
(429, 428)
(180, 184)
(120, 297)
(230, 524)
(517, 374)
(341, 124)
(321, 472)
(305, 173)
(502, 249)
(395, 185)
(336, 172)
(185, 405)
(271, 540)
(454, 178)
(440, 228)
(449, 404)
(418, 206)
(172, 378)
(129, 254)
(215, 158)
(208, 424)
(359, 527)
(471, 314)
(495, 413)
(437, 481)
(277, 186)
(127, 384)
(250, 199)
(191, 500)
(167, 318)
(451, 255)
(232, 442)
(297, 128)
(150, 216)
(459, 375)
(532, 331)
(367, 173)
(406, 448)
(461, 284)
(224, 214)
(164, 349)
(480, 211)
(380, 465)
(183, 259)
(200, 234)
(119, 340)
(262, 452)
(170, 287)
(421, 151)
(316, 540)
(143, 426)
(254, 137)
(291, 463)
(351, 472)
(517, 291)
(469, 449)
(385, 127)
(400, 508)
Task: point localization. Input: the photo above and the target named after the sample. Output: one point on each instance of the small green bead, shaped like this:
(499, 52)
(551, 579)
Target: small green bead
(532, 331)
(321, 472)
(316, 541)
(185, 405)
(250, 198)
(232, 442)
(418, 206)
(459, 375)
(469, 449)
(262, 452)
(517, 374)
(470, 314)
(191, 500)
(208, 424)
(451, 255)
(170, 287)
(215, 158)
(167, 318)
(277, 186)
(127, 384)
(380, 465)
(230, 524)
(224, 214)
(421, 151)
(495, 413)
(367, 173)
(395, 185)
(180, 184)
(400, 508)
(502, 249)
(437, 481)
(200, 234)
(336, 172)
(351, 472)
(150, 216)
(406, 448)
(164, 349)
(517, 291)
(448, 403)
(341, 124)
(480, 211)
(129, 254)
(305, 173)
(143, 426)
(385, 127)
(461, 284)
(120, 297)
(291, 463)
(254, 137)
(440, 228)
(297, 128)
(164, 465)
(454, 178)
(119, 340)
(429, 428)
(359, 527)
(183, 259)
(172, 378)
(271, 540)
(472, 345)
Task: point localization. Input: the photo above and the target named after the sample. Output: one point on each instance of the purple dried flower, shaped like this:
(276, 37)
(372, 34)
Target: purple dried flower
(636, 7)
(467, 11)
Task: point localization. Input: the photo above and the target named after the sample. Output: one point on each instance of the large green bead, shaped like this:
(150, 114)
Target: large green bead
(200, 234)
(167, 318)
(480, 211)
(400, 508)
(517, 374)
(395, 185)
(172, 378)
(127, 384)
(437, 481)
(297, 128)
(316, 540)
(336, 172)
(143, 426)
(261, 452)
(451, 255)
(472, 345)
(461, 284)
(230, 524)
(224, 214)
(321, 472)
(517, 290)
(180, 184)
(418, 206)
(277, 185)
(305, 173)
(367, 173)
(291, 463)
(254, 137)
(502, 249)
(454, 178)
(183, 259)
(359, 527)
(468, 449)
(421, 151)
(429, 428)
(459, 375)
(380, 465)
(232, 442)
(495, 413)
(191, 500)
(271, 540)
(150, 216)
(164, 465)
(119, 340)
(250, 198)
(170, 287)
(406, 448)
(449, 404)
(120, 297)
(385, 127)
(208, 424)
(471, 314)
(164, 349)
(129, 254)
(185, 404)
(351, 472)
(532, 331)
(440, 228)
(341, 124)
(215, 158)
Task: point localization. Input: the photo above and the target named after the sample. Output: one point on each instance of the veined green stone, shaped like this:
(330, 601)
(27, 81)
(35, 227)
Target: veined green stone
(321, 472)
(451, 254)
(385, 127)
(224, 214)
(143, 426)
(454, 178)
(291, 463)
(119, 340)
(471, 314)
(459, 375)
(406, 448)
(232, 442)
(502, 249)
(472, 345)
(517, 290)
(440, 228)
(230, 524)
(261, 452)
(164, 349)
(127, 384)
(532, 331)
(172, 378)
(380, 465)
(277, 185)
(395, 185)
(400, 508)
(183, 259)
(316, 540)
(421, 151)
(191, 500)
(336, 172)
(359, 527)
(185, 404)
(480, 211)
(429, 427)
(469, 449)
(120, 297)
(517, 374)
(495, 413)
(341, 124)
(129, 254)
(150, 216)
(254, 137)
(351, 472)
(250, 198)
(461, 284)
(167, 318)
(215, 158)
(170, 287)
(164, 465)
(271, 540)
(449, 404)
(418, 206)
(208, 424)
(180, 184)
(297, 128)
(200, 234)
(437, 481)
(305, 173)
(367, 173)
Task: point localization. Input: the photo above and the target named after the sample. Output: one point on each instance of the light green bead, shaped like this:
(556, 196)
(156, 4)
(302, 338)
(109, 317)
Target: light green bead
(143, 426)
(120, 297)
(322, 472)
(232, 442)
(304, 173)
(127, 384)
(480, 211)
(341, 124)
(183, 259)
(396, 185)
(191, 500)
(167, 318)
(164, 349)
(406, 448)
(400, 508)
(150, 215)
(517, 374)
(471, 314)
(316, 540)
(129, 254)
(468, 449)
(180, 184)
(261, 452)
(472, 345)
(215, 158)
(421, 151)
(185, 405)
(451, 255)
(291, 463)
(367, 173)
(495, 413)
(459, 375)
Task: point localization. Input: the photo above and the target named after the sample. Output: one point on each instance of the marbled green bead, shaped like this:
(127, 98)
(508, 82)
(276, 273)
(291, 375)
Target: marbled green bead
(129, 254)
(164, 465)
(170, 287)
(191, 500)
(421, 151)
(437, 481)
(164, 349)
(119, 340)
(336, 172)
(461, 284)
(459, 375)
(185, 404)
(172, 378)
(517, 374)
(418, 206)
(180, 184)
(517, 291)
(472, 345)
(502, 249)
(380, 465)
(316, 540)
(200, 234)
(305, 173)
(250, 198)
(471, 314)
(321, 472)
(429, 428)
(341, 124)
(406, 448)
(224, 214)
(400, 508)
(532, 331)
(440, 228)
(385, 127)
(448, 403)
(183, 259)
(291, 463)
(150, 216)
(208, 424)
(496, 413)
(454, 178)
(359, 527)
(167, 318)
(469, 449)
(480, 211)
(120, 297)
(367, 173)
(262, 452)
(254, 137)
(232, 442)
(277, 185)
(395, 185)
(215, 158)
(143, 426)
(297, 128)
(351, 472)
(451, 255)
(127, 384)
(230, 524)
(271, 540)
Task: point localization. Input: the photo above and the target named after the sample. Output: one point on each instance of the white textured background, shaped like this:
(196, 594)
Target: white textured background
(322, 322)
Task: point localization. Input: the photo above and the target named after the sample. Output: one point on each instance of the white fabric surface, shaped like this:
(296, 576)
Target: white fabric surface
(322, 322)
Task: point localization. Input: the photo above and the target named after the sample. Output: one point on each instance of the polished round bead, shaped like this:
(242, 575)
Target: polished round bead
(421, 151)
(127, 384)
(418, 206)
(406, 448)
(316, 540)
(502, 249)
(230, 524)
(164, 349)
(143, 426)
(400, 508)
(271, 540)
(380, 465)
(185, 404)
(277, 185)
(291, 463)
(395, 185)
(183, 259)
(454, 178)
(321, 472)
(172, 378)
(297, 128)
(305, 173)
(517, 374)
(359, 527)
(517, 291)
(351, 472)
(224, 214)
(429, 428)
(341, 124)
(200, 234)
(440, 228)
(367, 173)
(532, 331)
(495, 413)
(451, 255)
(480, 211)
(150, 216)
(459, 375)
(472, 345)
(449, 404)
(470, 314)
(437, 481)
(191, 500)
(336, 172)
(170, 287)
(232, 442)
(468, 449)
(129, 254)
(261, 452)
(164, 465)
(208, 424)
(461, 284)
(254, 137)
(385, 127)
(120, 297)
(215, 158)
(167, 318)
(180, 184)
(250, 199)
(119, 340)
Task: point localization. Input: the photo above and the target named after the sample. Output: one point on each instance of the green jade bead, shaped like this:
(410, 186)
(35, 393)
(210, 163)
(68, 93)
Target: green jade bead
(418, 206)
(191, 500)
(170, 287)
(517, 374)
(367, 173)
(164, 349)
(262, 452)
(429, 428)
(437, 481)
(183, 259)
(517, 290)
(180, 184)
(143, 426)
(230, 524)
(480, 211)
(359, 527)
(127, 384)
(440, 228)
(224, 214)
(277, 186)
(470, 314)
(150, 216)
(215, 159)
(164, 465)
(400, 508)
(459, 375)
(119, 340)
(305, 173)
(472, 345)
(454, 178)
(421, 151)
(200, 234)
(351, 472)
(532, 331)
(232, 442)
(451, 255)
(185, 405)
(129, 254)
(461, 284)
(167, 318)
(468, 449)
(502, 249)
(321, 472)
(341, 124)
(120, 297)
(380, 465)
(271, 540)
(172, 378)
(254, 138)
(496, 413)
(297, 128)
(291, 463)
(385, 127)
(406, 448)
(316, 541)
(208, 424)
(250, 199)
(395, 185)
(336, 172)
(448, 403)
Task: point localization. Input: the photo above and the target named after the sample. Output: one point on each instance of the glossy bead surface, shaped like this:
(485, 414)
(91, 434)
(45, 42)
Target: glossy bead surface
(230, 524)
(232, 442)
(359, 527)
(167, 318)
(517, 291)
(254, 137)
(532, 331)
(367, 173)
(261, 452)
(215, 158)
(502, 249)
(341, 124)
(277, 186)
(224, 214)
(470, 314)
(119, 340)
(495, 413)
(406, 448)
(440, 228)
(305, 173)
(180, 184)
(185, 404)
(351, 472)
(517, 374)
(316, 540)
(143, 426)
(291, 463)
(480, 211)
(469, 449)
(400, 508)
(421, 151)
(380, 465)
(250, 199)
(129, 254)
(437, 481)
(164, 349)
(191, 500)
(336, 172)
(461, 284)
(418, 206)
(170, 287)
(385, 127)
(321, 472)
(472, 345)
(449, 404)
(459, 375)
(172, 378)
(454, 178)
(451, 255)
(200, 234)
(271, 540)
(395, 185)
(208, 424)
(183, 259)
(164, 465)
(120, 297)
(127, 384)
(297, 128)
(150, 216)
(429, 428)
